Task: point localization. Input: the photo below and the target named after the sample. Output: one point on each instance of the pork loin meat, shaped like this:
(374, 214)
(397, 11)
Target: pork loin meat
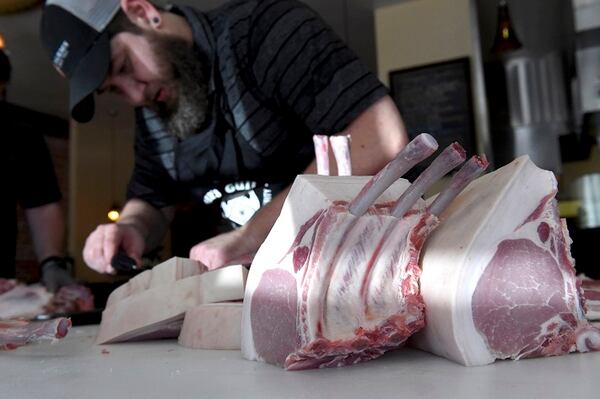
(336, 282)
(497, 277)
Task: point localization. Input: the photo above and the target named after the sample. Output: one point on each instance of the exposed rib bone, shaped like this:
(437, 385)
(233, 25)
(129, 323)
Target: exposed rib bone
(322, 154)
(341, 150)
(450, 158)
(469, 172)
(417, 150)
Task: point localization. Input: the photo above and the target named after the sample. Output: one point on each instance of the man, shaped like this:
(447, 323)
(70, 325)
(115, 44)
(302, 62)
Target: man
(227, 103)
(31, 182)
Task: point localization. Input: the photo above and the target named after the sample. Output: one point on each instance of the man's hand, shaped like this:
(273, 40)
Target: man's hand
(56, 273)
(104, 242)
(230, 248)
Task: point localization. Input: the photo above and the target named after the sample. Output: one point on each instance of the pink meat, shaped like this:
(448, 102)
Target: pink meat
(24, 302)
(27, 301)
(16, 333)
(72, 298)
(357, 323)
(530, 288)
(340, 319)
(7, 285)
(337, 283)
(274, 324)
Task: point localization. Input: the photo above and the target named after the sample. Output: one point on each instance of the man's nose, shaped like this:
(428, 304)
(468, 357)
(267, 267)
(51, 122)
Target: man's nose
(128, 88)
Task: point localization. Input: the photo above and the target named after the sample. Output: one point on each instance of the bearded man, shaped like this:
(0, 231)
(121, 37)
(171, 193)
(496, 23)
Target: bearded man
(226, 104)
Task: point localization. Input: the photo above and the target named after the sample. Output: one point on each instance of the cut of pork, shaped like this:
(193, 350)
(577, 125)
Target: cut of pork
(497, 277)
(24, 301)
(212, 326)
(328, 288)
(16, 333)
(164, 273)
(158, 312)
(70, 299)
(299, 272)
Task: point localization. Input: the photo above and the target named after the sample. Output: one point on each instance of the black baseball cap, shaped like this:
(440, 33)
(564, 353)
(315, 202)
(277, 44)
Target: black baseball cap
(73, 33)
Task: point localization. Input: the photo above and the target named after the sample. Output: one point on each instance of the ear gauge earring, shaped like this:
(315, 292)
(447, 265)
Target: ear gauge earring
(155, 21)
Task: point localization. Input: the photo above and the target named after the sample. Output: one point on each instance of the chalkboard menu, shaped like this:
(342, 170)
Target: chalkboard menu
(436, 99)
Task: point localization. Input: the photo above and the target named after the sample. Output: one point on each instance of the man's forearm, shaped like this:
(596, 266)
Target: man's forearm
(149, 221)
(47, 227)
(257, 228)
(378, 134)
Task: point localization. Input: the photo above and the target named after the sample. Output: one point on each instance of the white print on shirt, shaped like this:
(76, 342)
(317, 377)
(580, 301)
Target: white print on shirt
(212, 196)
(240, 186)
(240, 208)
(239, 201)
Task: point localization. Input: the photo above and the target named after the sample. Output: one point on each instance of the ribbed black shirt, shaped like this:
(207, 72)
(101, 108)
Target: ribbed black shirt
(278, 74)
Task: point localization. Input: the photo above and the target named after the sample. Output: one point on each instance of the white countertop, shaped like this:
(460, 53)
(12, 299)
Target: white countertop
(77, 368)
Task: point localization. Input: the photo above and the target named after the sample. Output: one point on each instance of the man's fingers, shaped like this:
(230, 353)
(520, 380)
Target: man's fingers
(104, 243)
(100, 247)
(111, 243)
(209, 254)
(93, 252)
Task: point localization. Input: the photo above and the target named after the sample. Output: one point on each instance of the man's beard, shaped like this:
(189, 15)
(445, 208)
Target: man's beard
(187, 113)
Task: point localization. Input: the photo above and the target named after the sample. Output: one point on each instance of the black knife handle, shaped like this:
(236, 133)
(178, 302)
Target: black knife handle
(121, 262)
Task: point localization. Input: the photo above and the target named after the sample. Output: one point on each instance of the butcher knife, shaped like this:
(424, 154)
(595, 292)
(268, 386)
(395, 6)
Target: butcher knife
(125, 264)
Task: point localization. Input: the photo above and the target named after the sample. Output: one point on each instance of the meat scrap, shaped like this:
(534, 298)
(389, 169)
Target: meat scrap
(16, 333)
(336, 282)
(497, 277)
(20, 301)
(24, 301)
(70, 299)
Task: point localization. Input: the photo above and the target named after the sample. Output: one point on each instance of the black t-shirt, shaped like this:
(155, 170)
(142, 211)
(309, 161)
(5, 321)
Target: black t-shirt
(30, 180)
(278, 75)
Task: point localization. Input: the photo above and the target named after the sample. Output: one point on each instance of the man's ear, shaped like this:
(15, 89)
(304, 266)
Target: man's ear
(142, 13)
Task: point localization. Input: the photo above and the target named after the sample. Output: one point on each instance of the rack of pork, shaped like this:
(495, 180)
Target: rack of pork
(355, 267)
